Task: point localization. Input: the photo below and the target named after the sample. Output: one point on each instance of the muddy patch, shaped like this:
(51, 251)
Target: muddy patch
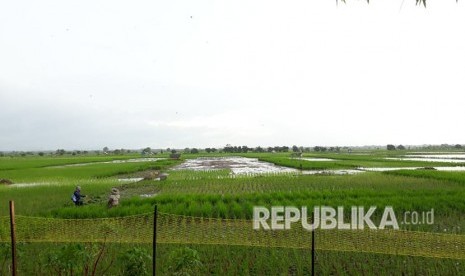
(139, 176)
(143, 189)
(4, 181)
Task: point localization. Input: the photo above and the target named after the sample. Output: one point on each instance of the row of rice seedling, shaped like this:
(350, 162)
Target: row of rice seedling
(448, 215)
(430, 175)
(12, 163)
(264, 184)
(347, 162)
(98, 170)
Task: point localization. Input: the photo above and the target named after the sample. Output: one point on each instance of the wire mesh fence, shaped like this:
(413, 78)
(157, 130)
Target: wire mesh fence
(102, 246)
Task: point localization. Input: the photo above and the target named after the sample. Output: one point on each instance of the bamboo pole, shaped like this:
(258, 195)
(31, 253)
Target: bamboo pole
(13, 238)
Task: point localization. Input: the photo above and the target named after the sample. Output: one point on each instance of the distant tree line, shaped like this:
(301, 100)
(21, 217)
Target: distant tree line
(194, 150)
(429, 147)
(236, 149)
(392, 147)
(294, 148)
(323, 149)
(244, 149)
(227, 149)
(443, 147)
(61, 152)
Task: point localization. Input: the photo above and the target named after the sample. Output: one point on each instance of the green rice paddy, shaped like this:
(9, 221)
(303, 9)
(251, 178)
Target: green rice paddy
(43, 186)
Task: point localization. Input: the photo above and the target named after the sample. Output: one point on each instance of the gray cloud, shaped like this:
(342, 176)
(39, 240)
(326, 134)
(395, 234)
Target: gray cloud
(88, 75)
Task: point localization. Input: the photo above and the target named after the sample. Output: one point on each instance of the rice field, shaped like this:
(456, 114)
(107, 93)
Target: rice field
(228, 186)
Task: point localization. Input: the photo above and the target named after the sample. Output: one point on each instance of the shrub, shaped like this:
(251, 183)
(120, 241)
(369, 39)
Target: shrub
(184, 262)
(135, 262)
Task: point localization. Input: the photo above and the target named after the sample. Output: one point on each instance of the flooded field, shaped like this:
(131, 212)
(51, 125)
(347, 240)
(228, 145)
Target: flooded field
(237, 165)
(449, 158)
(446, 169)
(243, 165)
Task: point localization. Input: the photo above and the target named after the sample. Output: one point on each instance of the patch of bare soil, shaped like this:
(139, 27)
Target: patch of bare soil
(6, 181)
(145, 175)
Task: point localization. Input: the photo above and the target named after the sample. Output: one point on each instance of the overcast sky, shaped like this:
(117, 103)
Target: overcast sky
(130, 74)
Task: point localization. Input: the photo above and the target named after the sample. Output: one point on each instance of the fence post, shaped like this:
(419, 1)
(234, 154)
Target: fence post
(13, 237)
(313, 244)
(154, 244)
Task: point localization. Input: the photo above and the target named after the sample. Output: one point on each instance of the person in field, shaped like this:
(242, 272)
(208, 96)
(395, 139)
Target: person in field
(113, 200)
(77, 196)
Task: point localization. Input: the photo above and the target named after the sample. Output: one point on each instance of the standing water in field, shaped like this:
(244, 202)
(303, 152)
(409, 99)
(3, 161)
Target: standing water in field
(332, 172)
(22, 185)
(243, 165)
(448, 158)
(315, 159)
(238, 165)
(445, 169)
(131, 179)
